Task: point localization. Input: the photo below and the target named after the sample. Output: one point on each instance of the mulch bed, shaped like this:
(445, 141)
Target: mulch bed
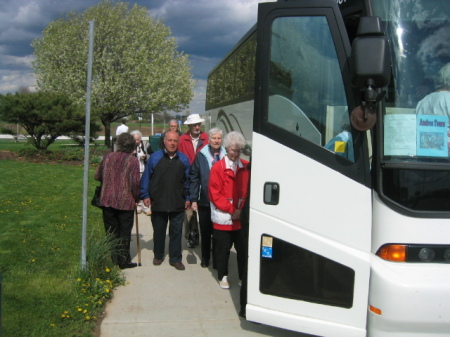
(10, 155)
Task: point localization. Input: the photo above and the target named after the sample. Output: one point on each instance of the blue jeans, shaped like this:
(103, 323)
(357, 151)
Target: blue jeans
(159, 221)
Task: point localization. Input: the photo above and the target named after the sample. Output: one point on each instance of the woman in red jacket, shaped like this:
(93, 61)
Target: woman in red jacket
(228, 187)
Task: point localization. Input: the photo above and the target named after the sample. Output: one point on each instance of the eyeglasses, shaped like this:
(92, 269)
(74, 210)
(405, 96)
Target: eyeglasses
(235, 150)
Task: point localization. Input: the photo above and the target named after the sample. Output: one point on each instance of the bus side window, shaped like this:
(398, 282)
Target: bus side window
(306, 90)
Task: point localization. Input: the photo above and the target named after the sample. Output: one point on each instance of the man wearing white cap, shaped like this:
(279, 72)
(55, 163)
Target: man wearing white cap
(190, 144)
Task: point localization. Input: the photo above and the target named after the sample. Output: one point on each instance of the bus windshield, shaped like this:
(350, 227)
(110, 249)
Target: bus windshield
(416, 120)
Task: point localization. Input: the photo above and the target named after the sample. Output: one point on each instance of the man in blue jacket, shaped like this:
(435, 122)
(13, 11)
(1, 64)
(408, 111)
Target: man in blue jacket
(164, 186)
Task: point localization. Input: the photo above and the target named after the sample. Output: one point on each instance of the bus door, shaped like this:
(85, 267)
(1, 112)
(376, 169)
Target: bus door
(310, 206)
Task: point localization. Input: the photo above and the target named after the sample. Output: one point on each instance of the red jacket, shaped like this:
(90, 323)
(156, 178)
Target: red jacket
(227, 192)
(185, 145)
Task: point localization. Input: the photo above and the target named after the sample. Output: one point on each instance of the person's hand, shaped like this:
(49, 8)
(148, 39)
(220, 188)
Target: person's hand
(187, 205)
(236, 214)
(147, 202)
(194, 206)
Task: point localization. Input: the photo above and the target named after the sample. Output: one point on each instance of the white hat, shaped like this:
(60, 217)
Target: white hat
(194, 119)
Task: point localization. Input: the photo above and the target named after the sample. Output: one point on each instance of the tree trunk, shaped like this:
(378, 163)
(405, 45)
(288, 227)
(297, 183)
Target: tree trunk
(107, 126)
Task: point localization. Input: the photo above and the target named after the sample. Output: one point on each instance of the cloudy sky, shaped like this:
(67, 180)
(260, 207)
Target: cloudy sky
(204, 29)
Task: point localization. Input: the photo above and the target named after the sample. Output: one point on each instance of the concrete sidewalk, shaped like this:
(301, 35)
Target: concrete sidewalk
(161, 301)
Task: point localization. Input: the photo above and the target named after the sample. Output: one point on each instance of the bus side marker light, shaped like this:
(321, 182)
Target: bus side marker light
(375, 310)
(394, 253)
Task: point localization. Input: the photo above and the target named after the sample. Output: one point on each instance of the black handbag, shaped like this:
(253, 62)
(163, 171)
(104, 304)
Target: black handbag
(96, 199)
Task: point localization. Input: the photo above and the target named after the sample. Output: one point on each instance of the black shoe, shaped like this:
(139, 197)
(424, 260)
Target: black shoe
(204, 264)
(242, 314)
(127, 265)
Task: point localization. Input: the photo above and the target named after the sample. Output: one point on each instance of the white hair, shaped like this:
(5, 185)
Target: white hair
(443, 78)
(234, 138)
(136, 132)
(215, 131)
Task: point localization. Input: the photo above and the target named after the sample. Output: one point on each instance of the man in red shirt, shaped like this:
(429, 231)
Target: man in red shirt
(190, 144)
(195, 139)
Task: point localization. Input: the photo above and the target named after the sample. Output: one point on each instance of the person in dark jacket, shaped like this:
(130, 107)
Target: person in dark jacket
(164, 186)
(190, 144)
(198, 183)
(119, 174)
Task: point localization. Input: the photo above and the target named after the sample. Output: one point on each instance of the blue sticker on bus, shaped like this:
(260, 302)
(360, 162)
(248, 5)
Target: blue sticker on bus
(267, 252)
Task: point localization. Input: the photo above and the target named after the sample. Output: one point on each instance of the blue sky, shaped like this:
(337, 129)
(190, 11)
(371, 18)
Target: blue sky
(204, 29)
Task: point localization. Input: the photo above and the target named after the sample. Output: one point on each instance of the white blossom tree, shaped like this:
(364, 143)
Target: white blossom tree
(136, 68)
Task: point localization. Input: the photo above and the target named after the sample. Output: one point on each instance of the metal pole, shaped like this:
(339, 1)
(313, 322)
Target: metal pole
(86, 145)
(152, 126)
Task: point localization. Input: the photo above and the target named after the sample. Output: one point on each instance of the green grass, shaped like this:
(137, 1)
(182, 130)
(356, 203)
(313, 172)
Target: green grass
(40, 247)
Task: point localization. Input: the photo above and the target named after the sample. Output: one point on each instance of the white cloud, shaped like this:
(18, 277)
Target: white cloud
(11, 81)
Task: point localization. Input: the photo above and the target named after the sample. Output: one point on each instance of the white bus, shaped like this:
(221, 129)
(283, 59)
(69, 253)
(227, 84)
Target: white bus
(349, 219)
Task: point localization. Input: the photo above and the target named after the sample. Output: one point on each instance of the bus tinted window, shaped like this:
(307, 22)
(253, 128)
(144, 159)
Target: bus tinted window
(234, 79)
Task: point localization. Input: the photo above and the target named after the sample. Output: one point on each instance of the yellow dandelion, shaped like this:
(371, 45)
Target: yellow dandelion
(79, 309)
(66, 312)
(107, 270)
(85, 311)
(78, 279)
(107, 290)
(52, 325)
(63, 315)
(88, 317)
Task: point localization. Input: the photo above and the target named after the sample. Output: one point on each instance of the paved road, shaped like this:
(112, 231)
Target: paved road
(162, 301)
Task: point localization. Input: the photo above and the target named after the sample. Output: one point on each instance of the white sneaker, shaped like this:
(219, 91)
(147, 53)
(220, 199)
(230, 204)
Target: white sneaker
(224, 283)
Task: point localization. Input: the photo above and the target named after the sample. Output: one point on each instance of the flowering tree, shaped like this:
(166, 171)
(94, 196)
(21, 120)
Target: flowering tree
(136, 66)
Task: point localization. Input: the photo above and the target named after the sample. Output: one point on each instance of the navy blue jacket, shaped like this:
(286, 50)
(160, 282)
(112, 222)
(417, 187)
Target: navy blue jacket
(165, 181)
(199, 175)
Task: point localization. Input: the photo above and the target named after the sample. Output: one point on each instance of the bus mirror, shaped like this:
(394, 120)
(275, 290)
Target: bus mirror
(371, 70)
(370, 55)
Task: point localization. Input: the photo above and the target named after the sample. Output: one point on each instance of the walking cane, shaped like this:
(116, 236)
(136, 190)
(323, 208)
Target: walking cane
(138, 241)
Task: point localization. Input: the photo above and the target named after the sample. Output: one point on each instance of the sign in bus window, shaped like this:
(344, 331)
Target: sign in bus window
(416, 135)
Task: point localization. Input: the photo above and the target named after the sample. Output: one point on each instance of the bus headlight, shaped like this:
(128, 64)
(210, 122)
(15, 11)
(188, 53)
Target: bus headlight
(447, 255)
(427, 254)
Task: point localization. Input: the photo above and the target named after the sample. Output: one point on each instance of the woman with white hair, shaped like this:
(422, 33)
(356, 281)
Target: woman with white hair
(198, 186)
(142, 152)
(228, 189)
(438, 102)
